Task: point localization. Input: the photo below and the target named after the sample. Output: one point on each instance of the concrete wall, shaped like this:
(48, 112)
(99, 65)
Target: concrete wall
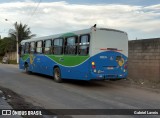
(144, 60)
(11, 55)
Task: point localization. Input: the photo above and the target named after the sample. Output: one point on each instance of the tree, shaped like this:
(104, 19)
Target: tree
(23, 32)
(7, 45)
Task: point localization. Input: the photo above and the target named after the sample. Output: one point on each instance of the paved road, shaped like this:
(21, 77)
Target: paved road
(43, 91)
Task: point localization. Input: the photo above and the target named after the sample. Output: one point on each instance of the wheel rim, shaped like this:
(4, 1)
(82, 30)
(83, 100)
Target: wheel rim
(26, 68)
(57, 74)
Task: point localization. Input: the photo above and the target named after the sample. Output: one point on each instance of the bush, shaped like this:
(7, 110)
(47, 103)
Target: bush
(12, 61)
(1, 59)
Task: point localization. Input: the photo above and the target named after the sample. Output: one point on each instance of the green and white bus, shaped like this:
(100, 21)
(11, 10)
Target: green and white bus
(94, 53)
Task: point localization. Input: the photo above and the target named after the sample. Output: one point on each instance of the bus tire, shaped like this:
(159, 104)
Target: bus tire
(26, 68)
(57, 75)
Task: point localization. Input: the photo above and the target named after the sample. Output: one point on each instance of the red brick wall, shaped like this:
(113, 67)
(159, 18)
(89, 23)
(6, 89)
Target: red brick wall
(144, 59)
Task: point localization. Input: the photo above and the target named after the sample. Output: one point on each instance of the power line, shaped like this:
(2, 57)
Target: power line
(34, 11)
(30, 11)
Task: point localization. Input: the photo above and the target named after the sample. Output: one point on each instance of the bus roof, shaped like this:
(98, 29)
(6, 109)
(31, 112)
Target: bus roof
(84, 31)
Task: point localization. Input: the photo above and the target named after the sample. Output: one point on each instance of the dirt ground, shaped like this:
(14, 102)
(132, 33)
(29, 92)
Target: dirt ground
(142, 83)
(17, 102)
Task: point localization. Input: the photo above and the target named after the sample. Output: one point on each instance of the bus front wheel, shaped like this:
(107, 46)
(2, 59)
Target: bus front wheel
(26, 68)
(57, 75)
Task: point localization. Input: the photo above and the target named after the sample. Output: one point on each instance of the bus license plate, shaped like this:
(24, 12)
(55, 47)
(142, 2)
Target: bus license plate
(109, 68)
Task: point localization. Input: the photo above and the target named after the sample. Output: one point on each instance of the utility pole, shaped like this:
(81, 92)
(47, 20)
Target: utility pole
(17, 46)
(16, 43)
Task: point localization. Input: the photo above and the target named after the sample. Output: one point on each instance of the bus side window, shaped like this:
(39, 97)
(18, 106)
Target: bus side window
(58, 46)
(32, 47)
(27, 48)
(71, 46)
(84, 45)
(47, 47)
(39, 47)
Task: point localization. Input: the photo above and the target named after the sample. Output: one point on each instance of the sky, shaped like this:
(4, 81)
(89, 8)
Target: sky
(139, 18)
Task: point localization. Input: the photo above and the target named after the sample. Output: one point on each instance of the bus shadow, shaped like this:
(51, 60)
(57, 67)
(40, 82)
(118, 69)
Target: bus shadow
(80, 83)
(100, 85)
(87, 84)
(42, 76)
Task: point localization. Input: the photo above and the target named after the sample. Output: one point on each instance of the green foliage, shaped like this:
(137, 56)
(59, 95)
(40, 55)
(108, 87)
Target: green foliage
(1, 57)
(7, 45)
(12, 61)
(23, 32)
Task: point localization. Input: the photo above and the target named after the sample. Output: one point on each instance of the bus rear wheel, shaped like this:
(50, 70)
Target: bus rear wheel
(57, 75)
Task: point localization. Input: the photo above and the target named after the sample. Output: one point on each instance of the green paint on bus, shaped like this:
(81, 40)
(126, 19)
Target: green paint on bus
(25, 57)
(68, 60)
(68, 34)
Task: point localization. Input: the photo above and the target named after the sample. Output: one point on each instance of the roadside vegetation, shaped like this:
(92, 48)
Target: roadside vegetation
(23, 32)
(8, 44)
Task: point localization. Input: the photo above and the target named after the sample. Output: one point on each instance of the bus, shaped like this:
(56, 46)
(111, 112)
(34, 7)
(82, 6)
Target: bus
(88, 54)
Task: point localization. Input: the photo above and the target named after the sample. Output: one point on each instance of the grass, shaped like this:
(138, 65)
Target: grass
(12, 61)
(1, 59)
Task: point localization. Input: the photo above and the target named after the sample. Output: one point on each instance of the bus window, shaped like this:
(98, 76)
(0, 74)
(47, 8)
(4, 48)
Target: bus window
(39, 47)
(47, 48)
(70, 46)
(58, 46)
(27, 48)
(84, 45)
(32, 47)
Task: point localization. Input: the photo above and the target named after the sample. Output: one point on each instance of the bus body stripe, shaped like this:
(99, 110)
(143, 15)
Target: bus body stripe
(68, 65)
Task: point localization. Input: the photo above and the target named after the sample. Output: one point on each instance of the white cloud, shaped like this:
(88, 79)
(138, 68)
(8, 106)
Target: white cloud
(57, 17)
(153, 7)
